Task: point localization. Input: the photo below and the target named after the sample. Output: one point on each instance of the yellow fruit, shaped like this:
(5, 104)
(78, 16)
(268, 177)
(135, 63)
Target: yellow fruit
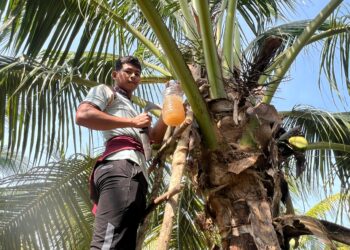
(298, 142)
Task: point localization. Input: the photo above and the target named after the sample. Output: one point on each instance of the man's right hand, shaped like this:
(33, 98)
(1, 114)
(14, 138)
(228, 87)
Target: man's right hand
(142, 121)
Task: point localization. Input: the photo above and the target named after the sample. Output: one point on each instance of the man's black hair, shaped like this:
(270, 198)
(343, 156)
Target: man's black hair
(127, 59)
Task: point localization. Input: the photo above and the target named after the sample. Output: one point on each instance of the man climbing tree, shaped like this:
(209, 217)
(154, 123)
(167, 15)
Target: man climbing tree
(119, 180)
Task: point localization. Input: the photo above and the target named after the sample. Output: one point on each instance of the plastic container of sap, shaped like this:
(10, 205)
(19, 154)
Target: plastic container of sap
(173, 111)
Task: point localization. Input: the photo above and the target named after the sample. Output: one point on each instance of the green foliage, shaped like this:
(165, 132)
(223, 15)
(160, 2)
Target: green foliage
(328, 151)
(187, 232)
(47, 207)
(40, 107)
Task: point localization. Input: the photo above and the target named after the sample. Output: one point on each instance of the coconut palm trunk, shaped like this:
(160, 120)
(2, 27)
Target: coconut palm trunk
(240, 183)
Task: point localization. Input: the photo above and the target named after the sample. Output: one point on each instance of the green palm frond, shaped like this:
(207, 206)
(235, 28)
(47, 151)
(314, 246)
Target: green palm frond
(333, 30)
(211, 58)
(96, 29)
(10, 166)
(328, 32)
(256, 14)
(328, 126)
(40, 104)
(330, 205)
(48, 207)
(2, 7)
(189, 233)
(333, 26)
(333, 207)
(85, 21)
(336, 46)
(328, 136)
(308, 34)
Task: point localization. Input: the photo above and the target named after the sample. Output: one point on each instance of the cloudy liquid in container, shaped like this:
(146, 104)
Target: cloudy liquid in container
(173, 111)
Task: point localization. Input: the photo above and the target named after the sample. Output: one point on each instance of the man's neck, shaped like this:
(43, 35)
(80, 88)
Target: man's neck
(122, 92)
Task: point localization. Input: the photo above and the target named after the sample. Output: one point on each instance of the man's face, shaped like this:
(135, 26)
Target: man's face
(128, 78)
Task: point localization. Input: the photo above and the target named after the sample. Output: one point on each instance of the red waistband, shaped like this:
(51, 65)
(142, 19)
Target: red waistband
(119, 143)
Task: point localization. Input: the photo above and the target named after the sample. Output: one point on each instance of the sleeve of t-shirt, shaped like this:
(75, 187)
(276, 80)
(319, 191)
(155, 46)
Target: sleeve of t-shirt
(100, 96)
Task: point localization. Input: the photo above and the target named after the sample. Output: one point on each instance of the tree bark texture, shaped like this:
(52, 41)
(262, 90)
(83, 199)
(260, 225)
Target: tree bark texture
(243, 214)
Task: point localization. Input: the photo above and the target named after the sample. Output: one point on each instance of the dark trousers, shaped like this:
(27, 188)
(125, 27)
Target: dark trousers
(122, 189)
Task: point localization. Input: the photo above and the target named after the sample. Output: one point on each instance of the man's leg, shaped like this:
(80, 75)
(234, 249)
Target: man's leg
(122, 189)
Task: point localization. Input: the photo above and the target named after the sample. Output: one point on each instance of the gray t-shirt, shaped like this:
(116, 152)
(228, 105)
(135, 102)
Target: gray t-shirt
(115, 104)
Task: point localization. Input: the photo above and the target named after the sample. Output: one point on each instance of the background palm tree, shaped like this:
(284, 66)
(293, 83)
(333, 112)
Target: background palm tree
(224, 76)
(328, 207)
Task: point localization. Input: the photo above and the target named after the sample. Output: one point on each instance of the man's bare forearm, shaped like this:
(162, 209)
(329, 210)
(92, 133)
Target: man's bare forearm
(90, 117)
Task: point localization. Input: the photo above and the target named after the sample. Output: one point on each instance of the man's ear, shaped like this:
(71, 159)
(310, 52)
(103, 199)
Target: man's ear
(114, 74)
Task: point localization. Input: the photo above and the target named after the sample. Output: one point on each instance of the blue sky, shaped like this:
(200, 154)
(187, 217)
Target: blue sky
(301, 85)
